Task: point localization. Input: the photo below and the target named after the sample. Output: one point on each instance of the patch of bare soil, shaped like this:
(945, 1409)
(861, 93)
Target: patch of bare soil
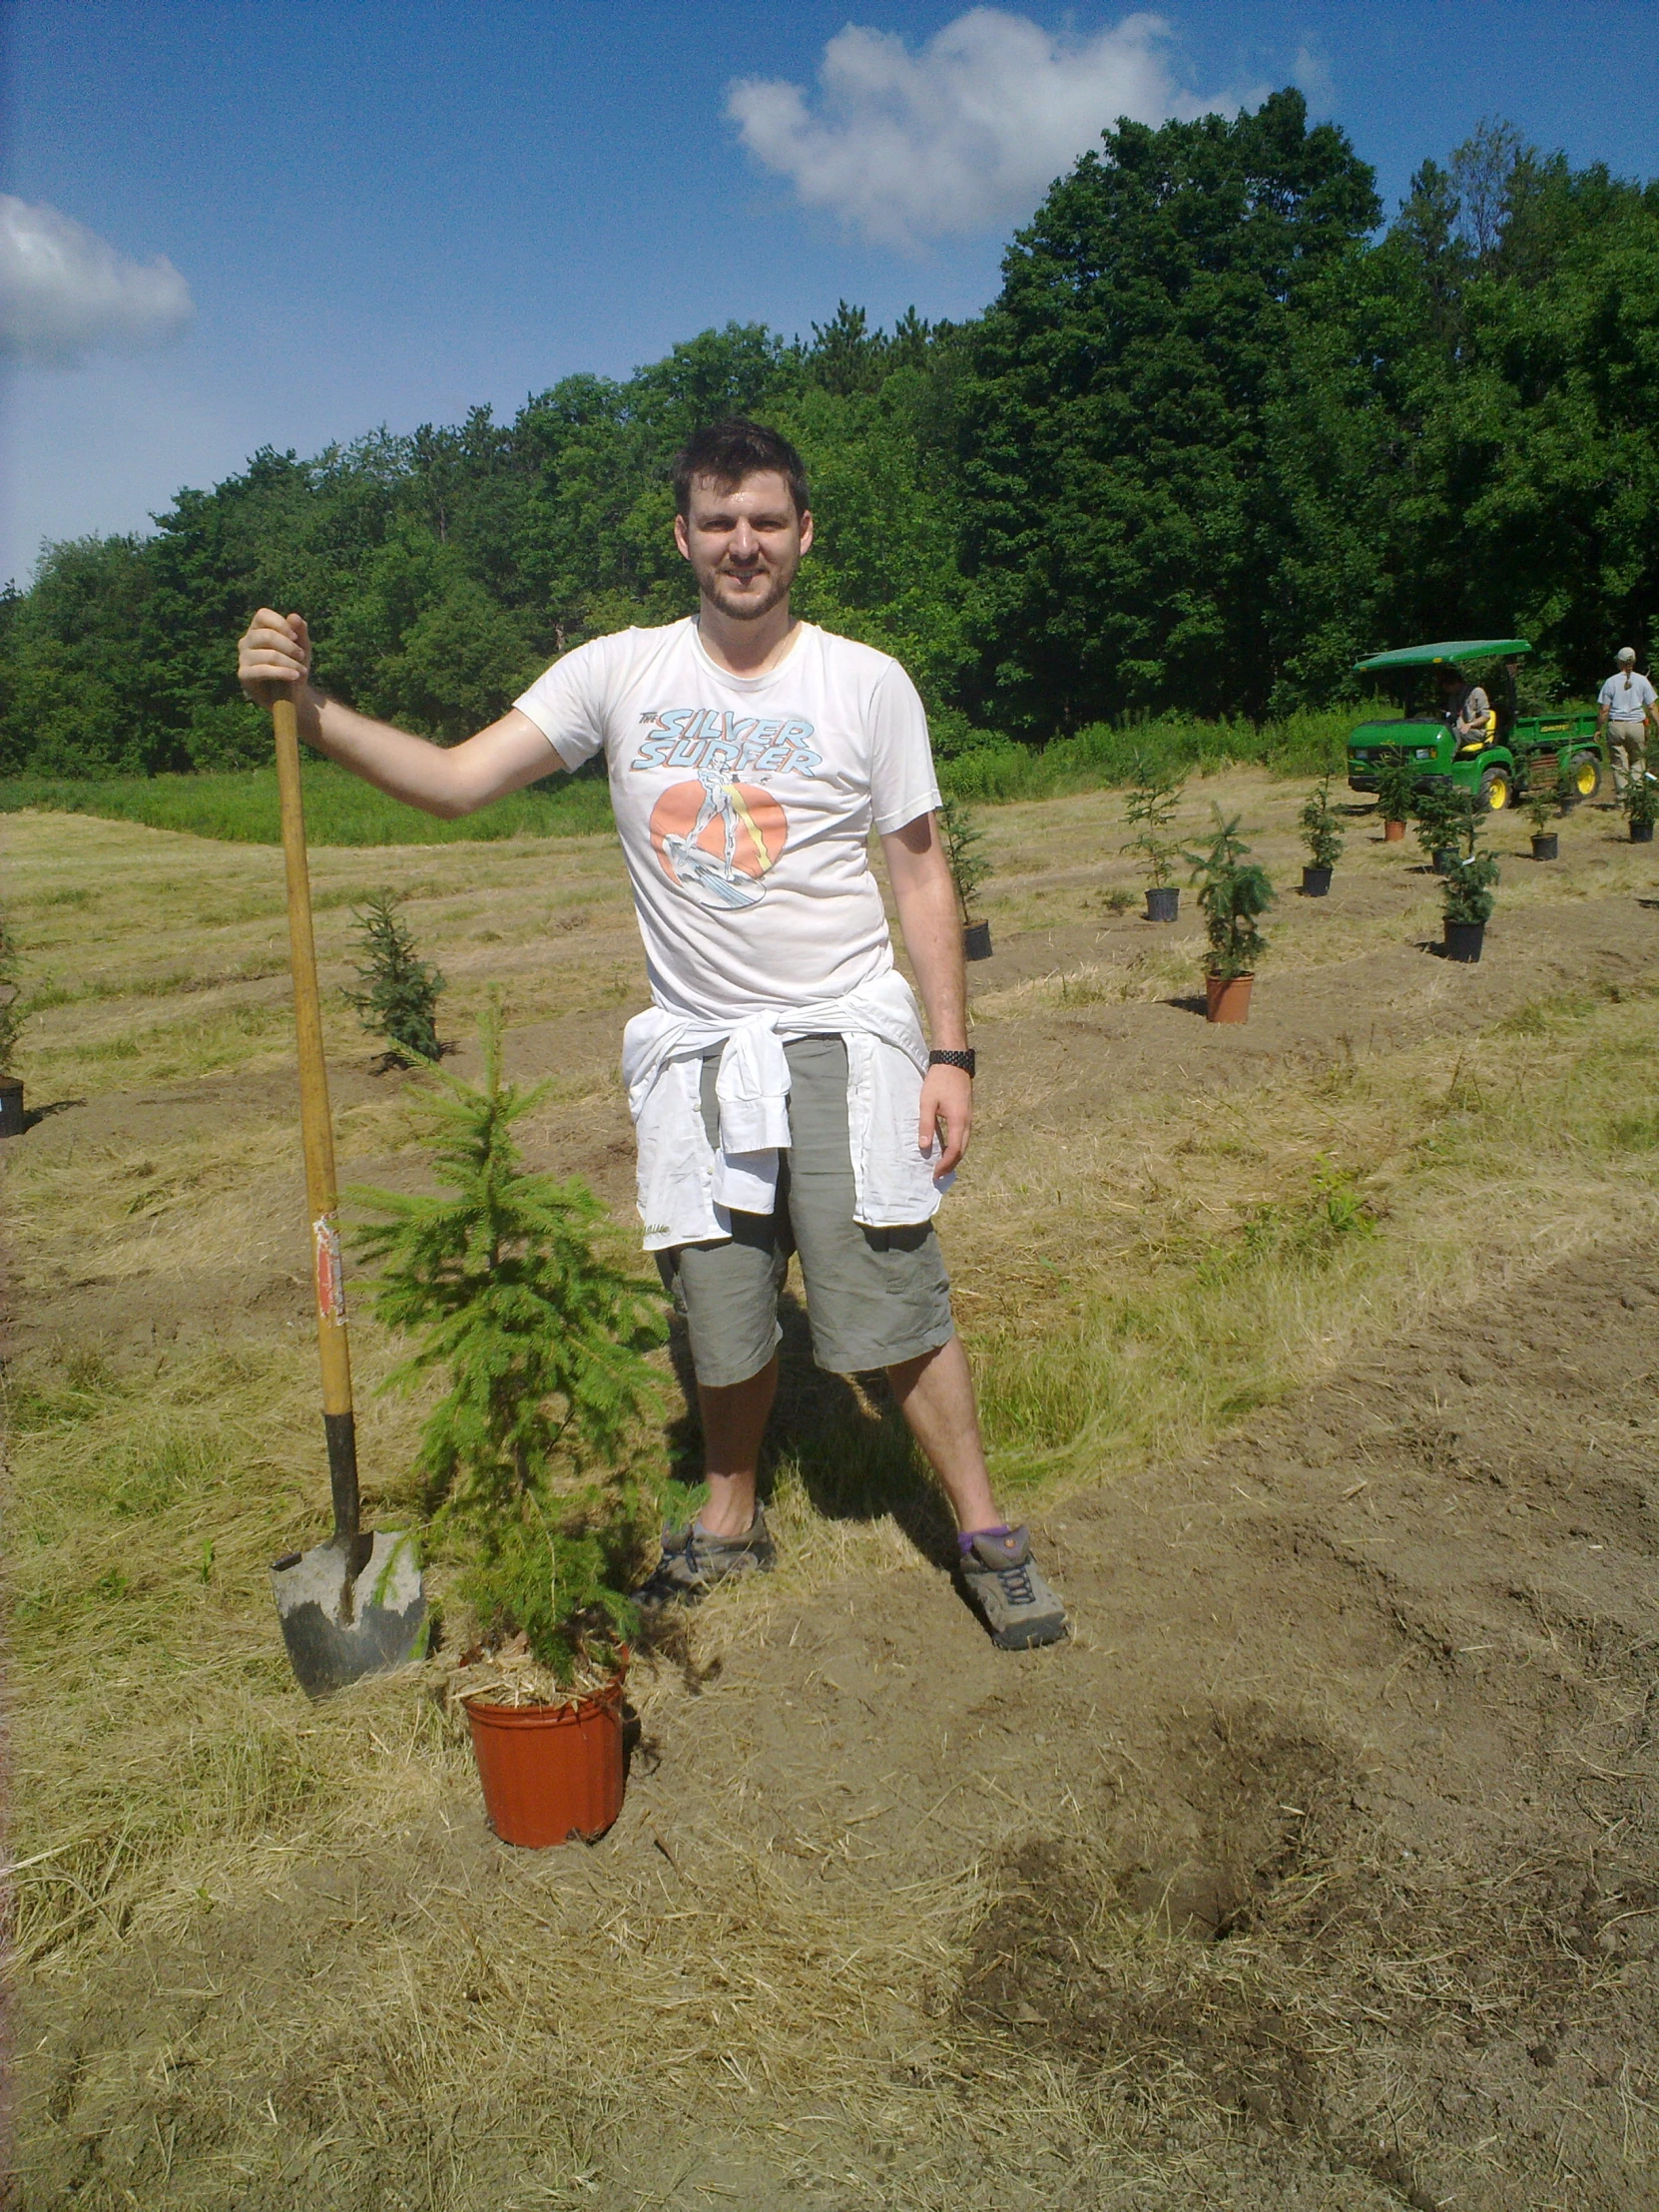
(1319, 1862)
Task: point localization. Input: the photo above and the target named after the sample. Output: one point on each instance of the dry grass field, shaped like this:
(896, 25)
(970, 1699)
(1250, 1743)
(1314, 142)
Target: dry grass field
(1316, 1872)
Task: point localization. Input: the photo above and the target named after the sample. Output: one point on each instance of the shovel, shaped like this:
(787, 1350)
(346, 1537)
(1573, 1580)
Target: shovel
(355, 1605)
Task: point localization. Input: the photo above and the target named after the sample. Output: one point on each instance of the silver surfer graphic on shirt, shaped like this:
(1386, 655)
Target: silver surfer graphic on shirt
(719, 840)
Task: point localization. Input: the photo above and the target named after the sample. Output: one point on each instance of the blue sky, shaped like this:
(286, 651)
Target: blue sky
(391, 213)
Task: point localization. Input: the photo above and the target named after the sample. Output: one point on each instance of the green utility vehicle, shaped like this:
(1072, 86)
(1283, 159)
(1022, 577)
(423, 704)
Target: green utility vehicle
(1510, 759)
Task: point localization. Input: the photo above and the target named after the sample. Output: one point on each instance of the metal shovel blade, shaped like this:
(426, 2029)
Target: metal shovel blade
(339, 1626)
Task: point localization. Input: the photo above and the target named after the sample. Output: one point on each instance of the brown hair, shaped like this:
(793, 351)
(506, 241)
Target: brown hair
(725, 452)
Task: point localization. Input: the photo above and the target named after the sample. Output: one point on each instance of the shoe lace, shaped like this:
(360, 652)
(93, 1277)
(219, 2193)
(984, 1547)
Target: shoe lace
(1016, 1585)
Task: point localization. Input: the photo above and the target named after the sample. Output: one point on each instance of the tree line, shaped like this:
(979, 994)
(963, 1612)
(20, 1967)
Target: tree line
(1218, 435)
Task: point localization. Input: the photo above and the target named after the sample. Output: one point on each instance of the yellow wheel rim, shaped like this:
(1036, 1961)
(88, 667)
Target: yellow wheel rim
(1584, 775)
(1497, 794)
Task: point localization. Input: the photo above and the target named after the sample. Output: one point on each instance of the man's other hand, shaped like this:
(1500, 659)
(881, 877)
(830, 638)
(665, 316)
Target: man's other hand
(946, 1110)
(275, 658)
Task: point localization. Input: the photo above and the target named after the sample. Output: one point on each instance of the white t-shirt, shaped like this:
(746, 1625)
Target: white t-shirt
(1627, 696)
(745, 804)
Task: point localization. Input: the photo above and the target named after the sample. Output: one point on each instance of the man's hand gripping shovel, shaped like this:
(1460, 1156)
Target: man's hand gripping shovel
(355, 1605)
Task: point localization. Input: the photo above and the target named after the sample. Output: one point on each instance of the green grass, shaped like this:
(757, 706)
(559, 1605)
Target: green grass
(240, 807)
(1103, 754)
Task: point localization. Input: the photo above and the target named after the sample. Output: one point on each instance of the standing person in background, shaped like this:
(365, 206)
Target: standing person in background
(782, 1092)
(1626, 703)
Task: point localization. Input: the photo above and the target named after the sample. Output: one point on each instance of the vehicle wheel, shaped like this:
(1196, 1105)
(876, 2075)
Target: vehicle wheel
(1585, 774)
(1495, 789)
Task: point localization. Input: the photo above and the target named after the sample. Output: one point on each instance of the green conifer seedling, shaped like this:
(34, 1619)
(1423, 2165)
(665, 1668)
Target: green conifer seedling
(400, 997)
(970, 866)
(1322, 828)
(1149, 808)
(1396, 786)
(1234, 891)
(11, 999)
(530, 1460)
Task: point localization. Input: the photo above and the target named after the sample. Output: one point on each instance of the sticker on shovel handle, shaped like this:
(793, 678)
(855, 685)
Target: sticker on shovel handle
(331, 1274)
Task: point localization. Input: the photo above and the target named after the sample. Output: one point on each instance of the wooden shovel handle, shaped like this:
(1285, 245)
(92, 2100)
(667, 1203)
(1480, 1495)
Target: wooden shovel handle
(316, 1129)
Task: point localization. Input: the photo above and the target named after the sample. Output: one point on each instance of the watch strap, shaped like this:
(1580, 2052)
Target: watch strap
(964, 1060)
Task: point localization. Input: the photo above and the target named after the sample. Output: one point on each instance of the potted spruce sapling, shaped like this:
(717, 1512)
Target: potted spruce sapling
(530, 1460)
(1641, 803)
(1233, 892)
(1149, 808)
(970, 866)
(1467, 898)
(1322, 833)
(1540, 805)
(1443, 816)
(11, 1121)
(1396, 784)
(399, 995)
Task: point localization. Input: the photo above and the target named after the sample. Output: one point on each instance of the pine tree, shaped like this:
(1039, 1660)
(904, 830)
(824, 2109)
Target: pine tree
(962, 837)
(1149, 808)
(11, 999)
(528, 1459)
(400, 994)
(1233, 892)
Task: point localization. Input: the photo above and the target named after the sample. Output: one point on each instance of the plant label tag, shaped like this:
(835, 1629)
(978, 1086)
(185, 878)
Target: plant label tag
(330, 1273)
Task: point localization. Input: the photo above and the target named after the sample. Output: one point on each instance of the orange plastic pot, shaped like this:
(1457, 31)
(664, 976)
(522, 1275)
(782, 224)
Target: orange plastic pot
(550, 1772)
(1393, 831)
(1229, 996)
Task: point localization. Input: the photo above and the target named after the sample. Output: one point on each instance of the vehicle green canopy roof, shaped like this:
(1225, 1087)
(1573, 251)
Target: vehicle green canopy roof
(1450, 648)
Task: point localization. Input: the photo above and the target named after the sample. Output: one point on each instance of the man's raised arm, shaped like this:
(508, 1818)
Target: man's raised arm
(274, 662)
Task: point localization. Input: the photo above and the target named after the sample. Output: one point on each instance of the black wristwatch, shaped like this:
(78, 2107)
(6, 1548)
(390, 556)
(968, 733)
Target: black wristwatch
(963, 1060)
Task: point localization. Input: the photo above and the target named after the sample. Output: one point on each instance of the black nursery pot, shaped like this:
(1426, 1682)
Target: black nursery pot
(1163, 904)
(12, 1123)
(1463, 940)
(1641, 832)
(976, 940)
(1316, 882)
(1446, 860)
(1547, 845)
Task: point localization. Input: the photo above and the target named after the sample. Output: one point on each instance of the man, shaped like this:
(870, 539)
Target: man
(1464, 705)
(783, 1094)
(1624, 704)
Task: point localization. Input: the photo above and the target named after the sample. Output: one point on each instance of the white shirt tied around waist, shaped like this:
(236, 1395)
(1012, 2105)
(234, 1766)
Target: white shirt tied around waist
(688, 1189)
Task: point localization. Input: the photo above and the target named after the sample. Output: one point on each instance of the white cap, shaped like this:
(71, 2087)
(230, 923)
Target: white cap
(1627, 651)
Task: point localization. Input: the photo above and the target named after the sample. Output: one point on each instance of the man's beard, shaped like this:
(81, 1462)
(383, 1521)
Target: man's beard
(745, 609)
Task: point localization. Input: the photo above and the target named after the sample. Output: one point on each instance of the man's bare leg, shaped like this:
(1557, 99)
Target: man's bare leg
(936, 1396)
(734, 1421)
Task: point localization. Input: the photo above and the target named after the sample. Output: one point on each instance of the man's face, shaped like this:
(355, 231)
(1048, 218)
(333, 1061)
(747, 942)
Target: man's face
(743, 545)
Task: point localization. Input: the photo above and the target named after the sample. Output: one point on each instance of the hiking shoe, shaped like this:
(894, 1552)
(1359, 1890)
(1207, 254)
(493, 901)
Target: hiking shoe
(693, 1562)
(1007, 1592)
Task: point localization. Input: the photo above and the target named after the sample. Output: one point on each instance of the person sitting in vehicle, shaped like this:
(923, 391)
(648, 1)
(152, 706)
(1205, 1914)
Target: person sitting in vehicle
(1466, 705)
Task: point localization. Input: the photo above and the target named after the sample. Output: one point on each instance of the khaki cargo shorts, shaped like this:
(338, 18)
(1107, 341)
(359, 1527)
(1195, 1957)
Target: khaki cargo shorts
(874, 1296)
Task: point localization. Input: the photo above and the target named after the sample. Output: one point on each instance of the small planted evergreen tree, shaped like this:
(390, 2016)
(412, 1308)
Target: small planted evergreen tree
(400, 997)
(1469, 888)
(1149, 808)
(532, 1475)
(1641, 798)
(1446, 819)
(970, 866)
(1233, 892)
(1396, 786)
(1322, 826)
(11, 1000)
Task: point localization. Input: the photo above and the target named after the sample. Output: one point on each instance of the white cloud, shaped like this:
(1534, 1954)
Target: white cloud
(1312, 79)
(65, 292)
(964, 136)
